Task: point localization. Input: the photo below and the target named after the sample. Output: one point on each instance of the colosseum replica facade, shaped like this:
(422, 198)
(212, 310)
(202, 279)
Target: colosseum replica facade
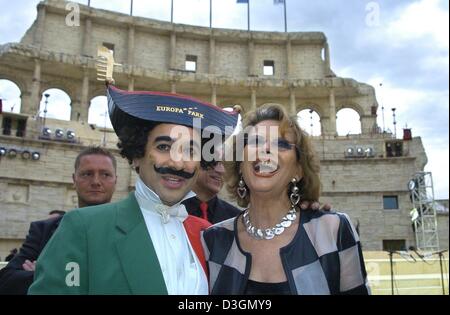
(359, 173)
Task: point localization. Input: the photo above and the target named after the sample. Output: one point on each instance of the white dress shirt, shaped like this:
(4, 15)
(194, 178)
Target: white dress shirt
(181, 268)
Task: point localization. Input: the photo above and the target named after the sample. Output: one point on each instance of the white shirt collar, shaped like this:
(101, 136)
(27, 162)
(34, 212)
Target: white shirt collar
(148, 200)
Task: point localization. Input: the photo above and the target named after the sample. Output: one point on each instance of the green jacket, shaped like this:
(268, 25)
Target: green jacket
(110, 247)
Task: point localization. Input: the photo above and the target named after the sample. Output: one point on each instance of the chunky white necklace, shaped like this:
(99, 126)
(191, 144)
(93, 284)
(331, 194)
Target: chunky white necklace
(268, 234)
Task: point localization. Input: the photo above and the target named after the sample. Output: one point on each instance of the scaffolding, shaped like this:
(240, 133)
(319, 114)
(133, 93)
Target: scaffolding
(425, 222)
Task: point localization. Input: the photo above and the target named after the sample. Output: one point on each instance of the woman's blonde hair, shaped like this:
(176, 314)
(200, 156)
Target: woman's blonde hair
(307, 160)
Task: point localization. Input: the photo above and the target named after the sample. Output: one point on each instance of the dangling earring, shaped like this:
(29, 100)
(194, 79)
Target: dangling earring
(241, 190)
(295, 196)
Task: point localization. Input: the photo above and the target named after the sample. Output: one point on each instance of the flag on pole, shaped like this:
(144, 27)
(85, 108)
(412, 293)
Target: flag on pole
(242, 1)
(278, 1)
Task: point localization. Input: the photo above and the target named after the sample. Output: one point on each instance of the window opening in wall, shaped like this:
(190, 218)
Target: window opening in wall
(269, 67)
(393, 245)
(390, 202)
(21, 126)
(7, 124)
(191, 63)
(394, 148)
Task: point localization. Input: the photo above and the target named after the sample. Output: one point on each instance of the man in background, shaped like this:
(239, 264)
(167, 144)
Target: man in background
(95, 180)
(206, 204)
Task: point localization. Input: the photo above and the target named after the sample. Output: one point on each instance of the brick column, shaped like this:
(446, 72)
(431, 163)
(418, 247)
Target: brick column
(31, 105)
(214, 94)
(288, 59)
(368, 122)
(87, 39)
(85, 91)
(78, 111)
(25, 107)
(212, 56)
(131, 82)
(130, 52)
(251, 58)
(173, 48)
(292, 102)
(173, 87)
(253, 99)
(331, 130)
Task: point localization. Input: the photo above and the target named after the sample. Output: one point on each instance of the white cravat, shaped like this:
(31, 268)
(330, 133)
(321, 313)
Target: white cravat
(182, 271)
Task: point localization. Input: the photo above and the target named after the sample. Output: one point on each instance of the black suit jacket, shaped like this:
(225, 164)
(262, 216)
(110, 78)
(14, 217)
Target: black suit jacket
(218, 209)
(15, 280)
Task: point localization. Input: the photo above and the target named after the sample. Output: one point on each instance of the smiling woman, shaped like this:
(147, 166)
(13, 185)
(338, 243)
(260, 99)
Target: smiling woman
(276, 248)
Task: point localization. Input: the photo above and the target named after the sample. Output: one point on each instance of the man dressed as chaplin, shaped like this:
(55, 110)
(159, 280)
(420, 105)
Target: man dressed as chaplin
(146, 243)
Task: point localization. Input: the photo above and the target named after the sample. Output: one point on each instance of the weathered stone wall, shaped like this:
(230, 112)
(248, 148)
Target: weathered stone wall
(153, 51)
(232, 51)
(307, 62)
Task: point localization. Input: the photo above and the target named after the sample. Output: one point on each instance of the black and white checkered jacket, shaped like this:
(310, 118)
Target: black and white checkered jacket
(325, 257)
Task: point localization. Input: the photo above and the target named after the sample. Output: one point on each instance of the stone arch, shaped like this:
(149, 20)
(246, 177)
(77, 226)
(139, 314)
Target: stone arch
(98, 112)
(310, 121)
(310, 105)
(19, 81)
(352, 105)
(96, 90)
(11, 95)
(348, 121)
(69, 88)
(58, 106)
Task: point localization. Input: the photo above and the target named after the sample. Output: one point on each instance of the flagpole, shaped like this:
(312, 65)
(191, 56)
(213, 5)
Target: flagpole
(210, 13)
(131, 8)
(248, 15)
(285, 16)
(171, 13)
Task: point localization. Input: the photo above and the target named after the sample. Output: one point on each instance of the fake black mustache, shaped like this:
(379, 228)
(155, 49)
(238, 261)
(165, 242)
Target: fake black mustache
(171, 171)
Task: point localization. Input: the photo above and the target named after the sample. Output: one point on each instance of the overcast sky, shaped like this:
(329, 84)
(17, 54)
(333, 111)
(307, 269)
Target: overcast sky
(402, 44)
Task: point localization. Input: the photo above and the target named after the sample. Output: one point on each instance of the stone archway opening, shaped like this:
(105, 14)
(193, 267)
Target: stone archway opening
(98, 112)
(56, 104)
(309, 121)
(10, 95)
(348, 122)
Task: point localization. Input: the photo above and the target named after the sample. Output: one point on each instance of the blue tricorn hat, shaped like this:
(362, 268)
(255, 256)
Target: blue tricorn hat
(126, 108)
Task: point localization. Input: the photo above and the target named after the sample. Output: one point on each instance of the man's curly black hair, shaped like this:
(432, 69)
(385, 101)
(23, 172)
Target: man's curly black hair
(133, 140)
